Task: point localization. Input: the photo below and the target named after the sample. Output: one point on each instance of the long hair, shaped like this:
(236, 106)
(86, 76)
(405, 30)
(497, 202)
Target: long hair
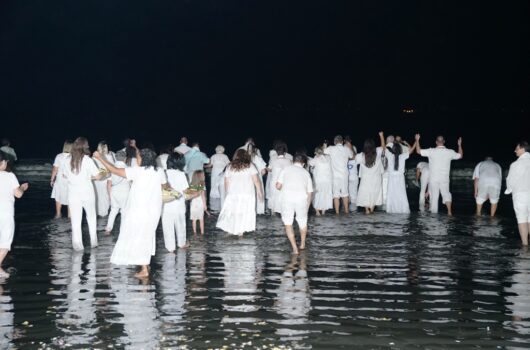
(5, 157)
(176, 161)
(197, 179)
(396, 150)
(148, 158)
(241, 160)
(370, 153)
(79, 150)
(130, 153)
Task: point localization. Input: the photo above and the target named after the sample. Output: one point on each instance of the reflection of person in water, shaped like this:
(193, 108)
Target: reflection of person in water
(518, 296)
(6, 320)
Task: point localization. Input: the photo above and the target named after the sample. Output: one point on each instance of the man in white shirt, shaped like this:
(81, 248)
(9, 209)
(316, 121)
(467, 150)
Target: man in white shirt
(340, 155)
(183, 147)
(518, 184)
(487, 179)
(296, 189)
(8, 150)
(440, 167)
(422, 176)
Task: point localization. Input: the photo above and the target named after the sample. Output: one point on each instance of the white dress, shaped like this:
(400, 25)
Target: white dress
(102, 193)
(322, 179)
(260, 165)
(370, 191)
(273, 155)
(136, 242)
(197, 208)
(238, 214)
(396, 199)
(8, 184)
(219, 163)
(60, 186)
(276, 166)
(353, 183)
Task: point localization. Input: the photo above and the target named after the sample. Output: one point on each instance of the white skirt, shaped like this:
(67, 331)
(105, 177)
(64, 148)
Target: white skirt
(370, 191)
(7, 230)
(323, 197)
(60, 191)
(396, 198)
(196, 209)
(238, 214)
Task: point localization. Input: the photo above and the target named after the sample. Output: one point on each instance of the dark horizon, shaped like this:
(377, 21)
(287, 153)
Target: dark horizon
(219, 72)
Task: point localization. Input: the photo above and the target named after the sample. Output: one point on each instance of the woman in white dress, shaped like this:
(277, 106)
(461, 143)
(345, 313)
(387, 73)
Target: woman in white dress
(238, 214)
(261, 166)
(275, 167)
(136, 242)
(102, 191)
(371, 171)
(322, 176)
(80, 170)
(9, 190)
(57, 180)
(219, 161)
(174, 213)
(396, 199)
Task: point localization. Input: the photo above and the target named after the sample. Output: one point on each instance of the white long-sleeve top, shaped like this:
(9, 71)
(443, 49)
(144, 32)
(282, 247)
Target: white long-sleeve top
(518, 179)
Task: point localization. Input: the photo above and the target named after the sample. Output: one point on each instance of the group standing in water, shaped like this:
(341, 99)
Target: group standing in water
(134, 184)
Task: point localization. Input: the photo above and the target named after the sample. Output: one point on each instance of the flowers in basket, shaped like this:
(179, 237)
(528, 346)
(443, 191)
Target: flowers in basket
(193, 191)
(169, 195)
(103, 174)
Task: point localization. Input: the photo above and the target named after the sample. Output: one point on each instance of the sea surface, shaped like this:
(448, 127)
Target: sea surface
(417, 281)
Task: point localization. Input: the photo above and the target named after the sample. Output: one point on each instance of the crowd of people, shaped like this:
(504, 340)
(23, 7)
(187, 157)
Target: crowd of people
(134, 183)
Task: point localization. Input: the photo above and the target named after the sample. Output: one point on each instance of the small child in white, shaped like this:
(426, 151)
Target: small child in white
(198, 204)
(9, 189)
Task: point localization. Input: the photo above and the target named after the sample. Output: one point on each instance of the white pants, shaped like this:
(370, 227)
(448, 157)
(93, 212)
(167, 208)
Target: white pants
(521, 206)
(423, 189)
(340, 187)
(76, 212)
(173, 219)
(488, 192)
(118, 199)
(353, 187)
(435, 189)
(7, 230)
(292, 208)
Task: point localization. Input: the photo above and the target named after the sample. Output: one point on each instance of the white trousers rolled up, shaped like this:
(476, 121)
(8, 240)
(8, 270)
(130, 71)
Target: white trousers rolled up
(435, 189)
(173, 221)
(76, 213)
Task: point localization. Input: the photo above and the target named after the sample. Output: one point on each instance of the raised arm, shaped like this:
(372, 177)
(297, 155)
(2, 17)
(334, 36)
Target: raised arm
(460, 149)
(413, 148)
(382, 139)
(109, 166)
(417, 144)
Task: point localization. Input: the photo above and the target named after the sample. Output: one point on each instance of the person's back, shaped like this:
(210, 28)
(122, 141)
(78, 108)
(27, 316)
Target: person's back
(145, 196)
(339, 159)
(240, 182)
(195, 160)
(518, 180)
(489, 173)
(295, 183)
(440, 162)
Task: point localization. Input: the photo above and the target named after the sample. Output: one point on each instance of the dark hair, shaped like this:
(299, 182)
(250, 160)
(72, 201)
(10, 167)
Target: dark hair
(347, 138)
(525, 145)
(241, 160)
(176, 161)
(4, 156)
(167, 149)
(79, 150)
(5, 142)
(126, 142)
(280, 148)
(338, 139)
(195, 144)
(148, 145)
(130, 153)
(396, 151)
(370, 153)
(300, 158)
(148, 158)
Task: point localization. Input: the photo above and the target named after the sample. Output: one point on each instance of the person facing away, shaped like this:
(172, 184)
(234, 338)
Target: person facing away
(323, 189)
(296, 189)
(340, 155)
(422, 176)
(518, 185)
(219, 161)
(182, 148)
(370, 193)
(118, 187)
(195, 160)
(198, 205)
(57, 180)
(440, 159)
(8, 150)
(250, 146)
(487, 178)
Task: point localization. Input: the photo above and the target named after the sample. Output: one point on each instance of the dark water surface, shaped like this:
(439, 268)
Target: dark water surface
(381, 281)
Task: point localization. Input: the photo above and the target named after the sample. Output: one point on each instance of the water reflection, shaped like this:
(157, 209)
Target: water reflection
(6, 319)
(518, 295)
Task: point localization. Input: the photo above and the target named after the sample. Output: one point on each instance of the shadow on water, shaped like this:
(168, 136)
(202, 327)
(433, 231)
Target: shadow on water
(403, 281)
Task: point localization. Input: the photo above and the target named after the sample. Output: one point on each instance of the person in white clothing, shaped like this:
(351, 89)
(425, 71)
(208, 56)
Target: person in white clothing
(322, 176)
(353, 175)
(183, 147)
(161, 160)
(388, 145)
(371, 170)
(440, 167)
(219, 161)
(238, 214)
(261, 166)
(250, 146)
(518, 185)
(118, 188)
(8, 150)
(9, 190)
(296, 189)
(487, 178)
(340, 155)
(174, 213)
(137, 240)
(58, 182)
(102, 190)
(273, 155)
(275, 167)
(79, 171)
(422, 176)
(198, 205)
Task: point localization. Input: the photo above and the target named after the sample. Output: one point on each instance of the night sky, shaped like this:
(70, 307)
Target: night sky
(219, 71)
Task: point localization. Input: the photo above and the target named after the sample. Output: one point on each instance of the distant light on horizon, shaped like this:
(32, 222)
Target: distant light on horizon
(408, 110)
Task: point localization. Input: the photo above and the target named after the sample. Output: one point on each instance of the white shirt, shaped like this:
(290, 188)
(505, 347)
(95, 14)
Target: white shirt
(518, 179)
(424, 169)
(8, 184)
(9, 150)
(177, 180)
(118, 180)
(182, 148)
(246, 146)
(296, 183)
(488, 173)
(161, 161)
(440, 162)
(321, 168)
(339, 160)
(80, 184)
(273, 154)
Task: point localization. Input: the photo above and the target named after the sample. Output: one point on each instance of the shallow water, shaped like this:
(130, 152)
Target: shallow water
(396, 281)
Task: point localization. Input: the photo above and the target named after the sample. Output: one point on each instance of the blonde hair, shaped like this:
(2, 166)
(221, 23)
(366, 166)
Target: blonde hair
(67, 146)
(219, 149)
(103, 148)
(197, 178)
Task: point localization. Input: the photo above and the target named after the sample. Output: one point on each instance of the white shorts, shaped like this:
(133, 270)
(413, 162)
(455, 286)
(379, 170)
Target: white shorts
(340, 187)
(521, 206)
(492, 193)
(290, 209)
(7, 231)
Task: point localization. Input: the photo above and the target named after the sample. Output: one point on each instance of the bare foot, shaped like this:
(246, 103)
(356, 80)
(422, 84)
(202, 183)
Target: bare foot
(3, 273)
(302, 247)
(186, 246)
(318, 213)
(295, 252)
